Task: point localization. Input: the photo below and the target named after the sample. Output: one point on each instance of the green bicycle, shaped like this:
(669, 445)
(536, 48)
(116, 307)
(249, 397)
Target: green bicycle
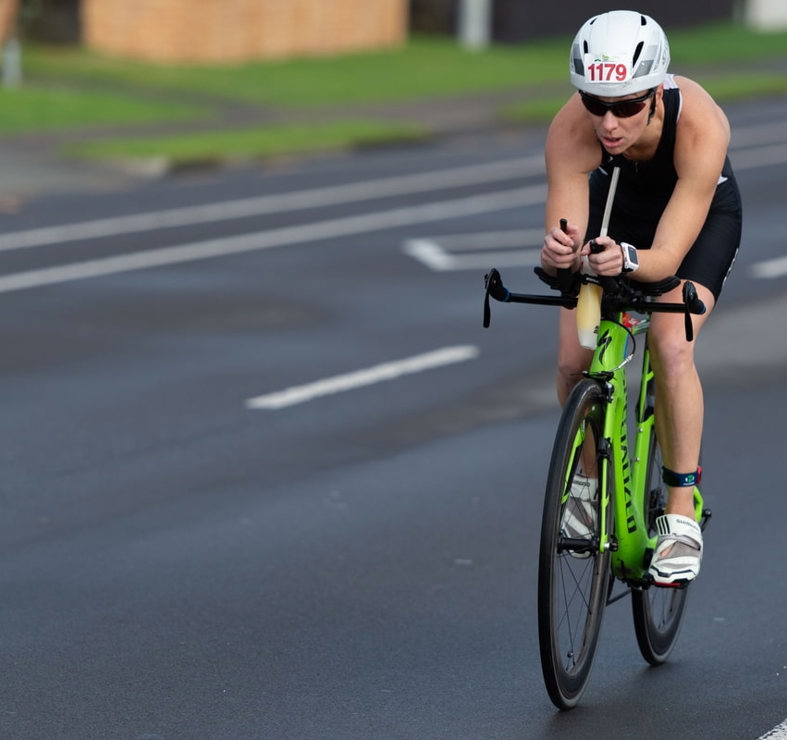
(577, 574)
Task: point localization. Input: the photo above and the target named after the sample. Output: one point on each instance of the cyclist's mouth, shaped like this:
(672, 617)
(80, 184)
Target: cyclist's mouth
(611, 142)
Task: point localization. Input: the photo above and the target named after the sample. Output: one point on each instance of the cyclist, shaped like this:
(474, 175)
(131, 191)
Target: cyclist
(676, 211)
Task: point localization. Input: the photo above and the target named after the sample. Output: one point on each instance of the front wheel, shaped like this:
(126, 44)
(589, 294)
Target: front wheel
(573, 571)
(658, 612)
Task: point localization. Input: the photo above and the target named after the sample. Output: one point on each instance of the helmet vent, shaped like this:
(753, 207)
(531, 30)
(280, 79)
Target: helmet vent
(637, 53)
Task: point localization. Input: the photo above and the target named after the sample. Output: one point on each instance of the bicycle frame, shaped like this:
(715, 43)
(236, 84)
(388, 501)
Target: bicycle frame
(630, 542)
(630, 539)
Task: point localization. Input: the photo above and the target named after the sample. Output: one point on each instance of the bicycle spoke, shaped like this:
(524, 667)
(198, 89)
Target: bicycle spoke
(573, 592)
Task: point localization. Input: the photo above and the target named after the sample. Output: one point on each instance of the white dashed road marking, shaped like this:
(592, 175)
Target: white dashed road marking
(777, 733)
(361, 378)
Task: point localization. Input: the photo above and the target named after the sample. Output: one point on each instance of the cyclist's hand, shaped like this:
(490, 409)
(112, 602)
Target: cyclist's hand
(609, 261)
(561, 249)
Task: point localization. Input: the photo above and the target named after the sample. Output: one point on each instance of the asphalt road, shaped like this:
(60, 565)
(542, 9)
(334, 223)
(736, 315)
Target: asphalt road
(187, 550)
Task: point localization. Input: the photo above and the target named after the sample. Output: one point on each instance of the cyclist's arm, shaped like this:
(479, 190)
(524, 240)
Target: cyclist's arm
(572, 151)
(702, 139)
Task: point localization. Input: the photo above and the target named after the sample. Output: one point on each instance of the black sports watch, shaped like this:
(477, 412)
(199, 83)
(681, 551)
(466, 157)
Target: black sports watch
(630, 259)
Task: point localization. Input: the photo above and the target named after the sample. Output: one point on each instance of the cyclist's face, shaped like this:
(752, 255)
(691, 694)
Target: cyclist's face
(617, 133)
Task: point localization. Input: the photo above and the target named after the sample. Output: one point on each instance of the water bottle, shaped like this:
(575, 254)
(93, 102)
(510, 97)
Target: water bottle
(588, 314)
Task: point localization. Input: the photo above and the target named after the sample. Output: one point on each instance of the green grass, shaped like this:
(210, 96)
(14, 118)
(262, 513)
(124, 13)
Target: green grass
(70, 88)
(746, 86)
(424, 67)
(724, 44)
(42, 109)
(253, 143)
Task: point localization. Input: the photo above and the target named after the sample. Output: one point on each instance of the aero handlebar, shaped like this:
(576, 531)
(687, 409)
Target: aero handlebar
(620, 294)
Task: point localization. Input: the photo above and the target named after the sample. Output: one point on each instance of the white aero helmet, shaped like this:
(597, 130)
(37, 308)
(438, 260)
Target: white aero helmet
(619, 53)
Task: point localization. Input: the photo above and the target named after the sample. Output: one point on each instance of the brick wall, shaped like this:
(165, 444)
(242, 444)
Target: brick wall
(226, 31)
(8, 13)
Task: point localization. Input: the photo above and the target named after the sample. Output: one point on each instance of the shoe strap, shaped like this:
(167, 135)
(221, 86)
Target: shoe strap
(675, 526)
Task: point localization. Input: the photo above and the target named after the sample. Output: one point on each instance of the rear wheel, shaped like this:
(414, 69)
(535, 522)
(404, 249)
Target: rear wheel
(658, 612)
(574, 574)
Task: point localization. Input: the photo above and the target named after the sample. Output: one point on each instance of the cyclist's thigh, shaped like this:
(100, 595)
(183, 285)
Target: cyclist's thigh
(712, 255)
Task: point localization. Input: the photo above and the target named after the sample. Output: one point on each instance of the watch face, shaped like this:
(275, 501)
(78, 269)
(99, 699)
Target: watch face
(630, 259)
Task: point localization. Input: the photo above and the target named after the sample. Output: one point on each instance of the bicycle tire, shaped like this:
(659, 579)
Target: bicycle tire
(572, 587)
(657, 612)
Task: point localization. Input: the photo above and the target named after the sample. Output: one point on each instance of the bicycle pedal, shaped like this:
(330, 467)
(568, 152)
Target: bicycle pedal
(706, 515)
(676, 586)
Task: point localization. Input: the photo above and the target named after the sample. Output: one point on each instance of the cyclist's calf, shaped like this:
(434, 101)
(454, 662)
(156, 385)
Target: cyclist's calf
(572, 358)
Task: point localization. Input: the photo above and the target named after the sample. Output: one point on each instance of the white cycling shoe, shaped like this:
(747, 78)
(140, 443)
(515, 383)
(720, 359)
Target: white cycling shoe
(579, 516)
(678, 555)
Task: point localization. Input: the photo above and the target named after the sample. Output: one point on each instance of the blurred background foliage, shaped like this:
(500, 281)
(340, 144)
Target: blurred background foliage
(239, 110)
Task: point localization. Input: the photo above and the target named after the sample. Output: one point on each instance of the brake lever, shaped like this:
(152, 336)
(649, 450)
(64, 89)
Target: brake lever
(493, 285)
(694, 305)
(565, 276)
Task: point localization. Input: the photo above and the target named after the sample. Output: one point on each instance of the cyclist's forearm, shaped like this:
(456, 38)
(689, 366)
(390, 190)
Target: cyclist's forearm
(656, 264)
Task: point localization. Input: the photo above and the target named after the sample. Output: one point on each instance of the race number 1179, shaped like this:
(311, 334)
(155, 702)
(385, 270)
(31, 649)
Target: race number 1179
(606, 71)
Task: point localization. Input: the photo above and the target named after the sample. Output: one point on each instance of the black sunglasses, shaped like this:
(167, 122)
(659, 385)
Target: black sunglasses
(620, 108)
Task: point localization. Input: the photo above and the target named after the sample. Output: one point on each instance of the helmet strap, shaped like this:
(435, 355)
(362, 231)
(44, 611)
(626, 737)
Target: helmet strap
(652, 109)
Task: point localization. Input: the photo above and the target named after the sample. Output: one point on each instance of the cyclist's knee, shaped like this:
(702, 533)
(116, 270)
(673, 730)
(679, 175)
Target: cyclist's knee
(672, 354)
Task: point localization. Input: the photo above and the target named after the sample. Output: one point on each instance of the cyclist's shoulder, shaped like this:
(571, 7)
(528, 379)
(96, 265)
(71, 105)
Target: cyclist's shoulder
(701, 119)
(696, 101)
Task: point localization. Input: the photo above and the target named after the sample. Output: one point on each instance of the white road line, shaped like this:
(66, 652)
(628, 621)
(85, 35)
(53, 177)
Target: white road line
(381, 220)
(501, 248)
(761, 156)
(513, 169)
(433, 255)
(361, 378)
(513, 238)
(757, 134)
(430, 253)
(770, 268)
(777, 733)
